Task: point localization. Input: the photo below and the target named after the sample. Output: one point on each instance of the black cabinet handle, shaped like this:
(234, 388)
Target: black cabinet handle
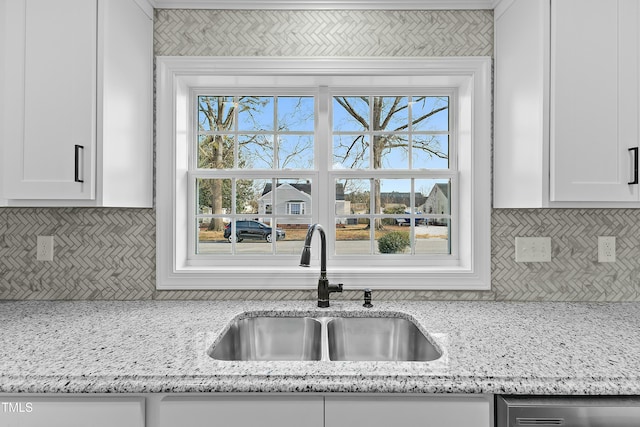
(635, 165)
(76, 174)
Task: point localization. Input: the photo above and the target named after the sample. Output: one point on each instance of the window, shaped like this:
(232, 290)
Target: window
(388, 153)
(295, 208)
(245, 145)
(253, 151)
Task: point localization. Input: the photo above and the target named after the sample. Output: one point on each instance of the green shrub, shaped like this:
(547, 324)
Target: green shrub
(394, 242)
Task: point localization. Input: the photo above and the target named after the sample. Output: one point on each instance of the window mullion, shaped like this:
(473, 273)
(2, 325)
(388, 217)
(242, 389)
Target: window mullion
(236, 142)
(325, 185)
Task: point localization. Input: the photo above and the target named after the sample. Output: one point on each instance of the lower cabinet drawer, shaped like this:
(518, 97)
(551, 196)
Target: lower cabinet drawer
(241, 411)
(71, 411)
(408, 411)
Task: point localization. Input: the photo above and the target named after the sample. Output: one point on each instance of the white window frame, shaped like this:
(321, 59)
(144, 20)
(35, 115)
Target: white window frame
(470, 77)
(302, 210)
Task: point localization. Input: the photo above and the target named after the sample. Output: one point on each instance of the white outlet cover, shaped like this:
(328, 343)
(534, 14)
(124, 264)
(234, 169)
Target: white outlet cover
(44, 250)
(606, 248)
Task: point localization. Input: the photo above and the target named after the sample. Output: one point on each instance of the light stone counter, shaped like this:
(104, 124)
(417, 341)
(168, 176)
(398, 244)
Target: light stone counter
(149, 346)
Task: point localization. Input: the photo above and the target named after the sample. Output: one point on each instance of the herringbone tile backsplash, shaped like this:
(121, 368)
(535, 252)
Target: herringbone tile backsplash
(99, 253)
(323, 33)
(110, 253)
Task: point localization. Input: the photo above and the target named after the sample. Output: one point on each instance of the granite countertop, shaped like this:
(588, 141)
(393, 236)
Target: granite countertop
(152, 346)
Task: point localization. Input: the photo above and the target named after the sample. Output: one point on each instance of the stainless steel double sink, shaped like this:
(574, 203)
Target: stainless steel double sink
(262, 338)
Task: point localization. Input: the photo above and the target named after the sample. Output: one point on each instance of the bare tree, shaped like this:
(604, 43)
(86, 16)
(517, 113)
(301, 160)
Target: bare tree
(216, 145)
(217, 113)
(384, 111)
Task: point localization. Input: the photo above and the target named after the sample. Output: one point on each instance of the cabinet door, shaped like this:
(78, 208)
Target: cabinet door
(594, 99)
(407, 411)
(69, 411)
(241, 411)
(52, 128)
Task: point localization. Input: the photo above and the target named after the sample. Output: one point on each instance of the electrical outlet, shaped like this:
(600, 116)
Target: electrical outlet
(533, 249)
(44, 250)
(606, 248)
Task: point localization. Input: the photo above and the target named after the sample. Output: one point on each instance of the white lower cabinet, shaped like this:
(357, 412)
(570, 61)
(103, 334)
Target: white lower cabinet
(322, 410)
(71, 411)
(245, 410)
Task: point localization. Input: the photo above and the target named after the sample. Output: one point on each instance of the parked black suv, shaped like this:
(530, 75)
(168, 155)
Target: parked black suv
(250, 229)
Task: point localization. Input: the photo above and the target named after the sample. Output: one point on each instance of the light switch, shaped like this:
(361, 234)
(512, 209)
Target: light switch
(533, 249)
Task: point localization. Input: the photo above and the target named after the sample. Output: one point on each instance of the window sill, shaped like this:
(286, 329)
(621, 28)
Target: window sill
(432, 278)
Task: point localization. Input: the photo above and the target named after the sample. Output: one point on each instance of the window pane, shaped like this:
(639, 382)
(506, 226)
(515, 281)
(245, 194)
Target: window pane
(430, 113)
(255, 151)
(430, 152)
(296, 208)
(392, 241)
(249, 196)
(295, 152)
(433, 237)
(391, 113)
(353, 197)
(256, 113)
(351, 152)
(214, 197)
(292, 195)
(435, 195)
(350, 113)
(253, 236)
(393, 195)
(211, 241)
(215, 113)
(353, 236)
(296, 113)
(390, 152)
(291, 240)
(215, 151)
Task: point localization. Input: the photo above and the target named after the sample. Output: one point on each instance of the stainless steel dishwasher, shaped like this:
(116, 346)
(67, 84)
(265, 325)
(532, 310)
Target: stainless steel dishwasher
(605, 411)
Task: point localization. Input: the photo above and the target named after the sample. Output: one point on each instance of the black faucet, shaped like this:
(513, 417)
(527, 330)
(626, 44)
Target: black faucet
(324, 288)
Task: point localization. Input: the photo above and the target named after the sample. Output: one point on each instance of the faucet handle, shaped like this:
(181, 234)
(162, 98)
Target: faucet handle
(367, 298)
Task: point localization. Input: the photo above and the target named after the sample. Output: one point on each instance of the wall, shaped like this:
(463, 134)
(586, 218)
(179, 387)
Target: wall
(110, 253)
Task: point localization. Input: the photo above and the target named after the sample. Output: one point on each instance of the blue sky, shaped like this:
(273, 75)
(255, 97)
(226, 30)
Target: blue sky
(296, 114)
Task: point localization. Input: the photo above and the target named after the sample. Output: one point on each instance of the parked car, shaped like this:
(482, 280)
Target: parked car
(251, 229)
(407, 221)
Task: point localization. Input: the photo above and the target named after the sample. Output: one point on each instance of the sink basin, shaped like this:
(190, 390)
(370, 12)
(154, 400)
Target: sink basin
(327, 338)
(378, 339)
(270, 338)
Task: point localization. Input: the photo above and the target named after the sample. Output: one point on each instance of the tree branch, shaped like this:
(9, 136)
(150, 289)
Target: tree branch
(345, 104)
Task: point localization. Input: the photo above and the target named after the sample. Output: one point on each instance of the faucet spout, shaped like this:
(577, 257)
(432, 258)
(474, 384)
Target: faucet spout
(324, 287)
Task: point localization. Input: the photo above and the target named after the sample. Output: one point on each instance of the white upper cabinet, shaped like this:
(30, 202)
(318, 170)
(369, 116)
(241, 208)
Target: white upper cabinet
(77, 110)
(594, 99)
(521, 104)
(567, 103)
